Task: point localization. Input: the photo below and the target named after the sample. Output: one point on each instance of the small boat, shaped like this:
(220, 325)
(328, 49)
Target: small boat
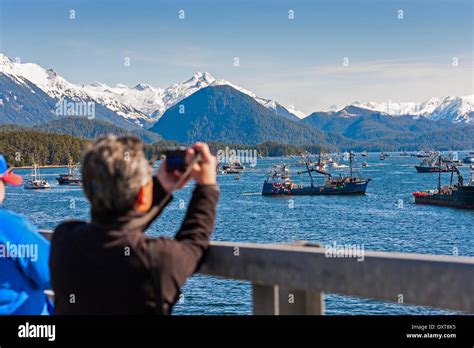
(35, 181)
(364, 164)
(428, 165)
(422, 154)
(305, 160)
(364, 154)
(468, 159)
(338, 165)
(72, 177)
(457, 195)
(382, 156)
(233, 168)
(279, 183)
(404, 153)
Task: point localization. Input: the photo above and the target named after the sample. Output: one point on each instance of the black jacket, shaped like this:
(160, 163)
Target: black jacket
(109, 266)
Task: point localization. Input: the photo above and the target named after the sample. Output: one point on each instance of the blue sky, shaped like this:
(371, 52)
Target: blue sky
(295, 61)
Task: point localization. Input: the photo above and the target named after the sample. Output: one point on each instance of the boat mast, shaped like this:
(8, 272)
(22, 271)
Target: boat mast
(451, 180)
(439, 173)
(309, 171)
(350, 163)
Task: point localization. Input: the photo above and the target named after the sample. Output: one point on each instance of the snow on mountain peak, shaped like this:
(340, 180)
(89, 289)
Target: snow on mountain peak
(96, 84)
(6, 65)
(4, 60)
(202, 76)
(142, 87)
(142, 101)
(144, 104)
(451, 108)
(295, 111)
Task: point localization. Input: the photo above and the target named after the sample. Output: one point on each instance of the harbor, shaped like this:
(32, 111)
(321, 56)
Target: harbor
(384, 219)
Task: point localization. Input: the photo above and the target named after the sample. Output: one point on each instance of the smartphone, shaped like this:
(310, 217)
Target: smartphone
(176, 159)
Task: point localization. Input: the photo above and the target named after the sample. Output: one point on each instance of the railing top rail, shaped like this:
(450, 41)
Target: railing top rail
(420, 279)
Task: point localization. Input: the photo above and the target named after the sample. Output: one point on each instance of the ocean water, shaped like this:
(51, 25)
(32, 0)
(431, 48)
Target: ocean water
(385, 219)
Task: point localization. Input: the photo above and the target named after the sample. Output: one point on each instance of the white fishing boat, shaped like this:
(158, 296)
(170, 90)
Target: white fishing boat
(35, 181)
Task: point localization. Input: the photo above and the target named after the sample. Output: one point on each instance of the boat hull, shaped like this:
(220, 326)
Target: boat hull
(468, 160)
(459, 198)
(348, 188)
(69, 182)
(27, 187)
(424, 169)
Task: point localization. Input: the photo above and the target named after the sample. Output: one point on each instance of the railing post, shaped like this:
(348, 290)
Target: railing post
(279, 300)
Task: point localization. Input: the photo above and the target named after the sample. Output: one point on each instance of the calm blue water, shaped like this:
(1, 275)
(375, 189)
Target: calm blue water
(375, 220)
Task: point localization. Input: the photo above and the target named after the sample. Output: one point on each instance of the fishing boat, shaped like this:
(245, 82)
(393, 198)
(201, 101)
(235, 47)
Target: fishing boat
(305, 160)
(279, 183)
(337, 165)
(35, 181)
(468, 159)
(453, 195)
(428, 165)
(71, 178)
(233, 168)
(422, 154)
(333, 162)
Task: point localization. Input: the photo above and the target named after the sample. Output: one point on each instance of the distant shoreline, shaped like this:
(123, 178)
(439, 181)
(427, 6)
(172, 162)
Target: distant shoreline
(42, 167)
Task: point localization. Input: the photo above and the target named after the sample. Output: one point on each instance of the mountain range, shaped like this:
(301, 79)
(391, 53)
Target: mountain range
(451, 108)
(141, 105)
(206, 108)
(144, 104)
(223, 113)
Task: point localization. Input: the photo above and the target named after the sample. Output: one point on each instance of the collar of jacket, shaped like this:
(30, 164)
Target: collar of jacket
(130, 221)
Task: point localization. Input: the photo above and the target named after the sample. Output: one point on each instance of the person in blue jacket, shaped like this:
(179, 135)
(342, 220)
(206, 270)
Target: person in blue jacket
(24, 254)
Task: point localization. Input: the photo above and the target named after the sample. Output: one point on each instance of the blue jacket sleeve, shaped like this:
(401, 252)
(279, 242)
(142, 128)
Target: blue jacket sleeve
(32, 248)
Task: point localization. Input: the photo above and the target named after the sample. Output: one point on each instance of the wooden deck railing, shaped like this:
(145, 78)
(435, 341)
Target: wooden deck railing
(291, 279)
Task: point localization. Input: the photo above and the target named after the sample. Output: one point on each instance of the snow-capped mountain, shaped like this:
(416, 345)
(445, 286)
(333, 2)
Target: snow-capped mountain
(451, 108)
(177, 92)
(18, 80)
(155, 101)
(134, 104)
(18, 96)
(58, 87)
(143, 105)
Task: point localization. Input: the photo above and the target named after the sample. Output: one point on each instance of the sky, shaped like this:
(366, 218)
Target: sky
(329, 53)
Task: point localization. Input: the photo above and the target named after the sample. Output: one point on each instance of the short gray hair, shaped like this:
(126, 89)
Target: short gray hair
(113, 170)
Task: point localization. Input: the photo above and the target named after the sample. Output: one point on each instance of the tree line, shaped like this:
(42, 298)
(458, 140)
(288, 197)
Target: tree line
(23, 147)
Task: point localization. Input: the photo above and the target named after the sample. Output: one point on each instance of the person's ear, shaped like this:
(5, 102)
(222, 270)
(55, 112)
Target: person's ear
(145, 197)
(141, 198)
